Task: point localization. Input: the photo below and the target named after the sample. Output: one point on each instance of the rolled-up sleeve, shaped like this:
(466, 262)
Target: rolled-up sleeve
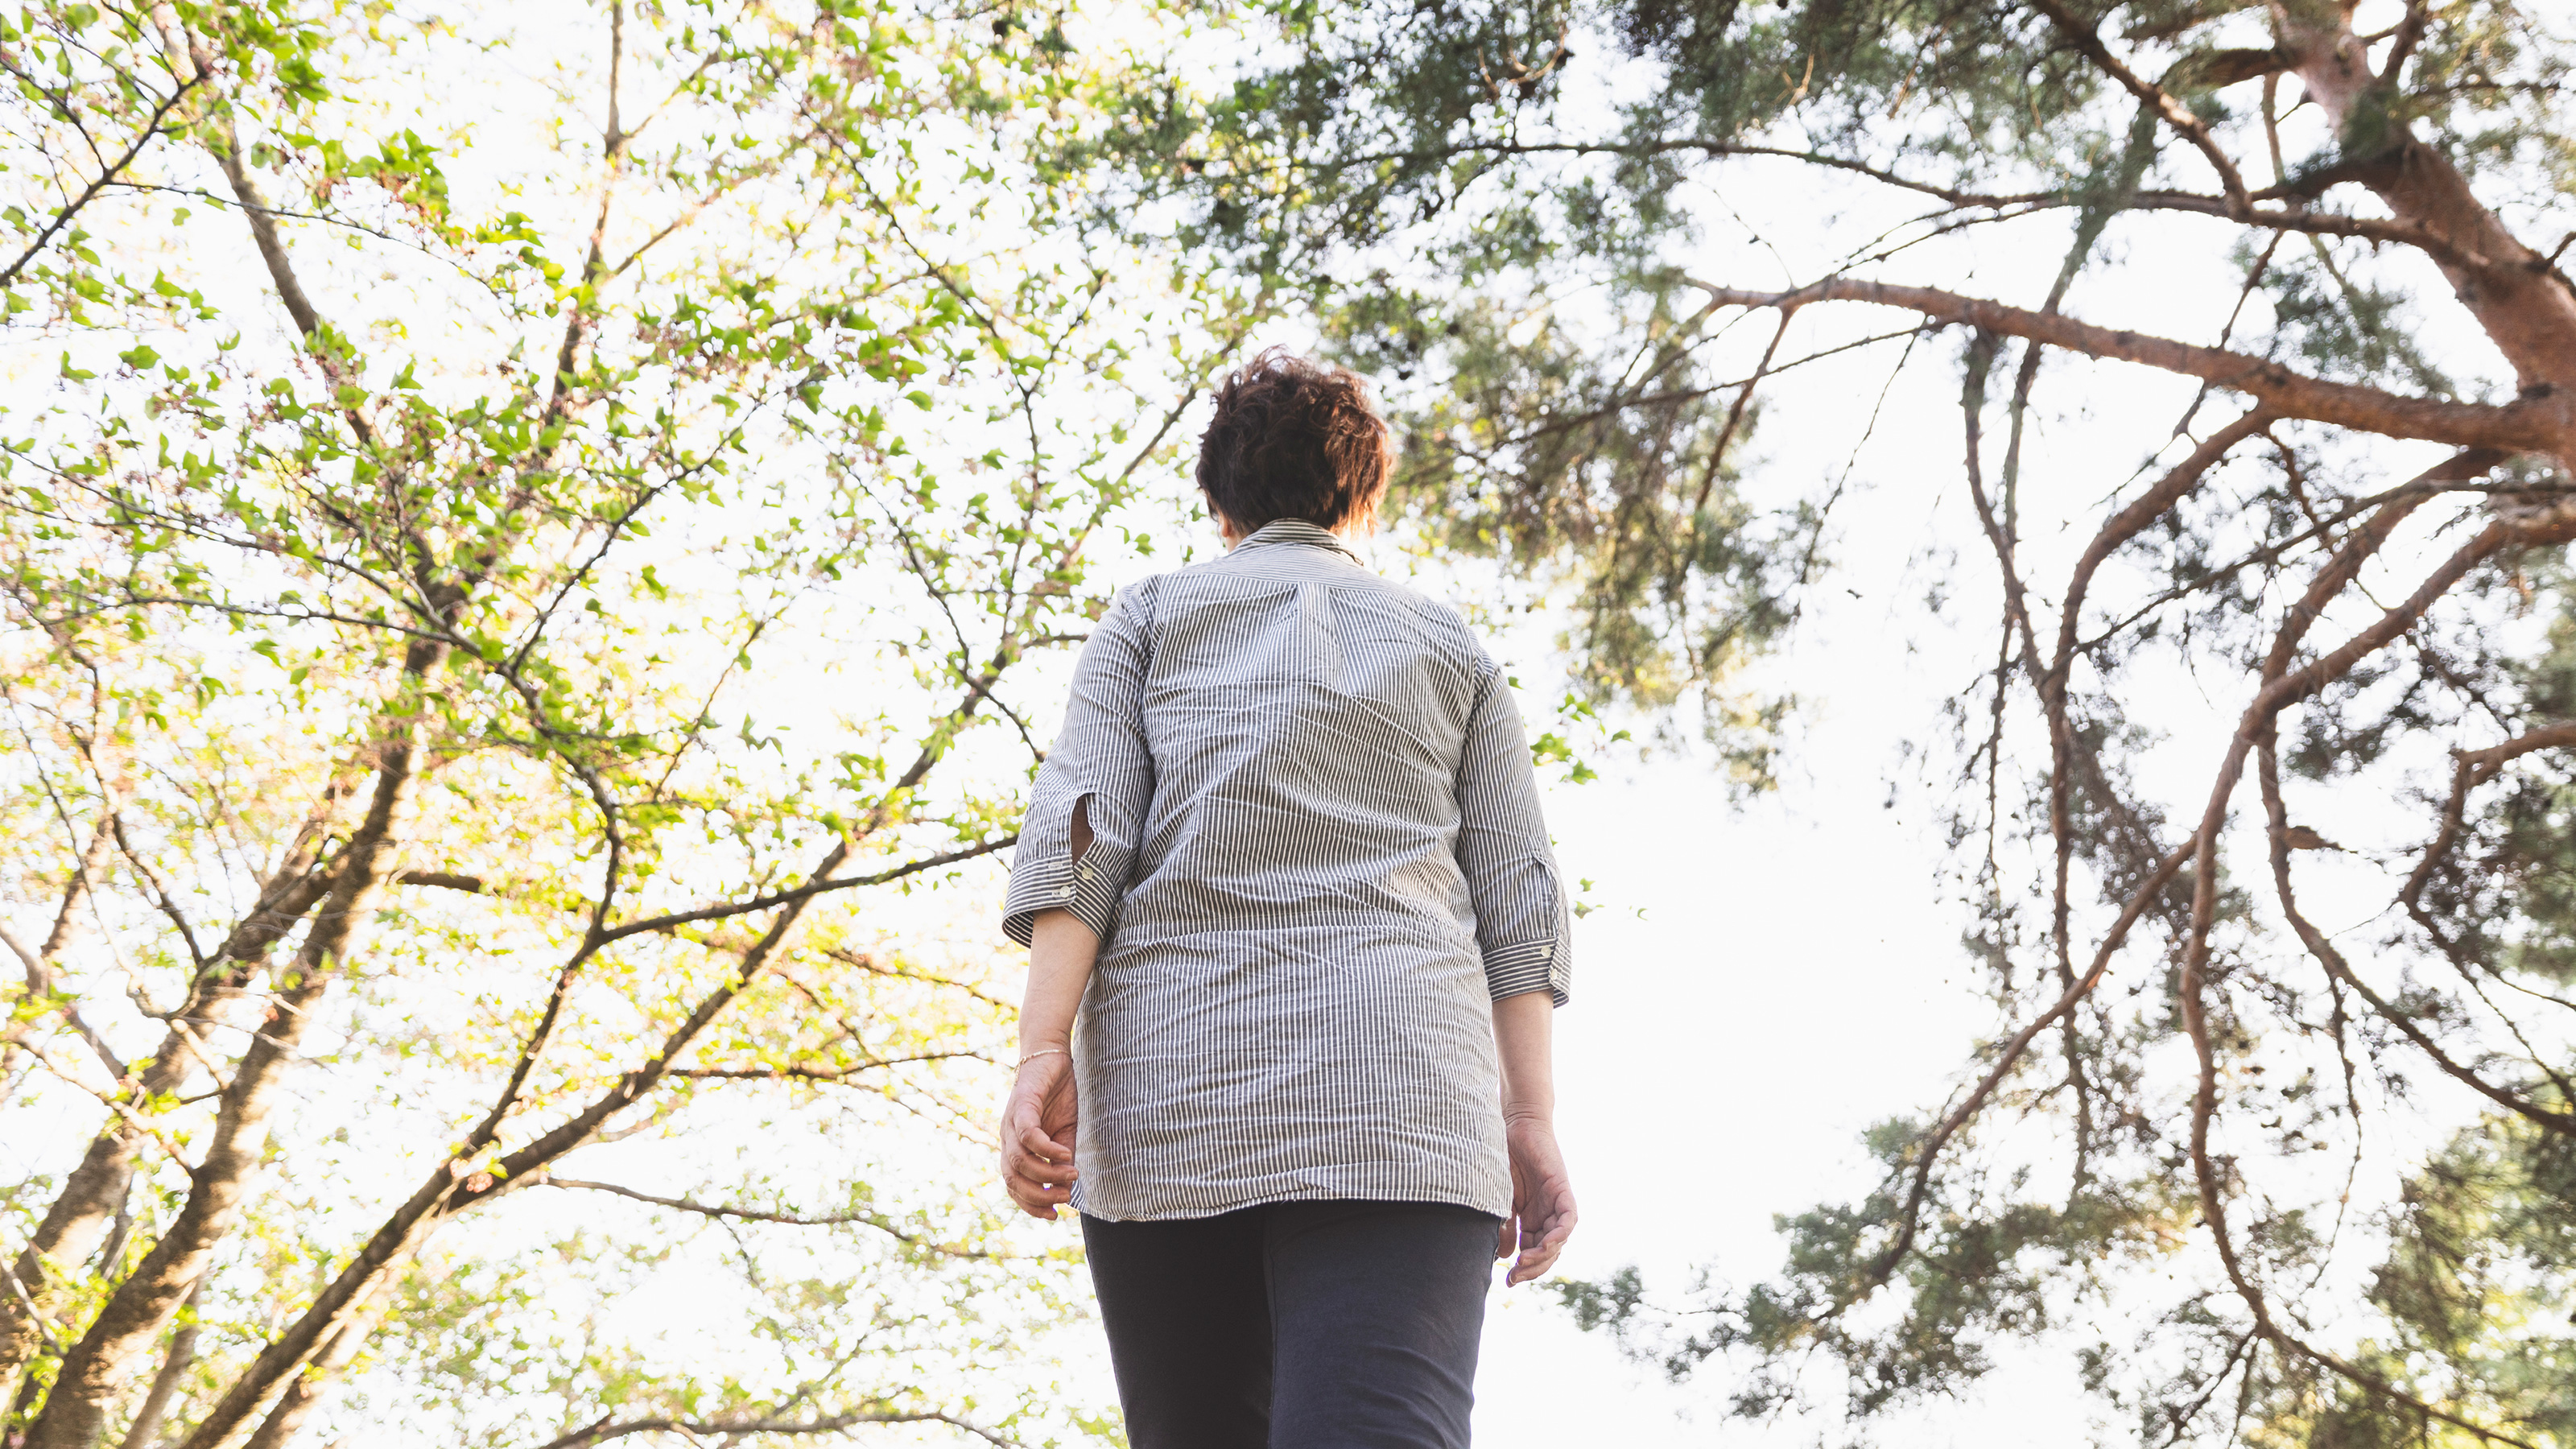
(1100, 765)
(1521, 917)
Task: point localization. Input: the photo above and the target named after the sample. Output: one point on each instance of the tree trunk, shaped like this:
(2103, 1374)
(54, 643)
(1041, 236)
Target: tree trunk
(77, 1222)
(165, 1384)
(72, 1230)
(75, 1411)
(2515, 295)
(318, 1345)
(309, 1388)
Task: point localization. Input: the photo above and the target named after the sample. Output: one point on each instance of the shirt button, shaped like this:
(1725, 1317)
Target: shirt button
(1086, 872)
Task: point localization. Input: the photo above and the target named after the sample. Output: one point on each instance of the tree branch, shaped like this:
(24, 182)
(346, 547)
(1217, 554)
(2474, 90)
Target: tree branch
(106, 177)
(2088, 43)
(609, 1428)
(804, 892)
(2282, 688)
(97, 1368)
(2319, 223)
(1910, 1216)
(862, 1217)
(2543, 424)
(442, 879)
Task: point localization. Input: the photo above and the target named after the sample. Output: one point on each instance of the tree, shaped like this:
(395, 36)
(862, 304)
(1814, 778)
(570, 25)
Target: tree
(1513, 205)
(517, 530)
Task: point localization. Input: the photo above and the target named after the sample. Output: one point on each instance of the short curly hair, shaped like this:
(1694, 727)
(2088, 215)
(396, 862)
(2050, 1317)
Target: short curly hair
(1294, 438)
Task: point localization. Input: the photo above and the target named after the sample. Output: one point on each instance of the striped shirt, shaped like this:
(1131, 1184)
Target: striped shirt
(1316, 858)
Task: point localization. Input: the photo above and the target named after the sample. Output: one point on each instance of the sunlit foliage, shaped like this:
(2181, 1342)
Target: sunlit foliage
(523, 531)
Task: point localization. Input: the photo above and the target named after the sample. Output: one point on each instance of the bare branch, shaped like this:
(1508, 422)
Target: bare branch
(1910, 1216)
(2471, 769)
(805, 892)
(862, 1217)
(607, 1429)
(441, 879)
(145, 1429)
(2284, 687)
(2542, 424)
(2322, 223)
(2323, 949)
(2088, 43)
(827, 1076)
(1953, 196)
(1735, 413)
(106, 177)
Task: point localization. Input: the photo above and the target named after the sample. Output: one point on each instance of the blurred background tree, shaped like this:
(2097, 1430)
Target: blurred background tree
(521, 531)
(2253, 1177)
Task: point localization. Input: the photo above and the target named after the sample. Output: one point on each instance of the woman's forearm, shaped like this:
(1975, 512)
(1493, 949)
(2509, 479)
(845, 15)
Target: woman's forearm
(1061, 950)
(1521, 1031)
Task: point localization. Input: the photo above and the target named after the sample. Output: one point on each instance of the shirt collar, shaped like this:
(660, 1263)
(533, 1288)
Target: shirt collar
(1297, 530)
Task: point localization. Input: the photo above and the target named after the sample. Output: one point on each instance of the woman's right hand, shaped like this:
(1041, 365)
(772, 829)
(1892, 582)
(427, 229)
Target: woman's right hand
(1543, 1213)
(1037, 1135)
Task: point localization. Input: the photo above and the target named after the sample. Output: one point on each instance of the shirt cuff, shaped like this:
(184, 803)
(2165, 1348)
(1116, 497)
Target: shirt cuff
(1526, 967)
(1050, 885)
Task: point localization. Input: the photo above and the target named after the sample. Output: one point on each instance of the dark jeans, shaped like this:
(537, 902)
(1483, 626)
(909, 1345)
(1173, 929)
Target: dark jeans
(1296, 1325)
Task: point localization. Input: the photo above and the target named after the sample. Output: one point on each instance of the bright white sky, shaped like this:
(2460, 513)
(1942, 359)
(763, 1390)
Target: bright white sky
(1764, 983)
(1761, 984)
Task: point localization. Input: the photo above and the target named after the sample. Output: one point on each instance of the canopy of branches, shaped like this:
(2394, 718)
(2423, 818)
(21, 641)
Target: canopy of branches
(526, 534)
(2302, 633)
(522, 534)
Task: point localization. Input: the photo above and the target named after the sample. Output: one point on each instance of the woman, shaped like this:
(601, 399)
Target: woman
(1287, 859)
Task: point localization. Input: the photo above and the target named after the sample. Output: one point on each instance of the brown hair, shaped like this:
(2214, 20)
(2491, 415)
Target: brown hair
(1294, 438)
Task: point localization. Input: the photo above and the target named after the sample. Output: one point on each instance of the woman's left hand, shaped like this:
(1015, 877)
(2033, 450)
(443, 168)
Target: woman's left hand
(1542, 1199)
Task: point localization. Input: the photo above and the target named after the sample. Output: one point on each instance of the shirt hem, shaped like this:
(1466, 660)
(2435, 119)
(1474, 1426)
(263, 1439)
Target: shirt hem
(1264, 1199)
